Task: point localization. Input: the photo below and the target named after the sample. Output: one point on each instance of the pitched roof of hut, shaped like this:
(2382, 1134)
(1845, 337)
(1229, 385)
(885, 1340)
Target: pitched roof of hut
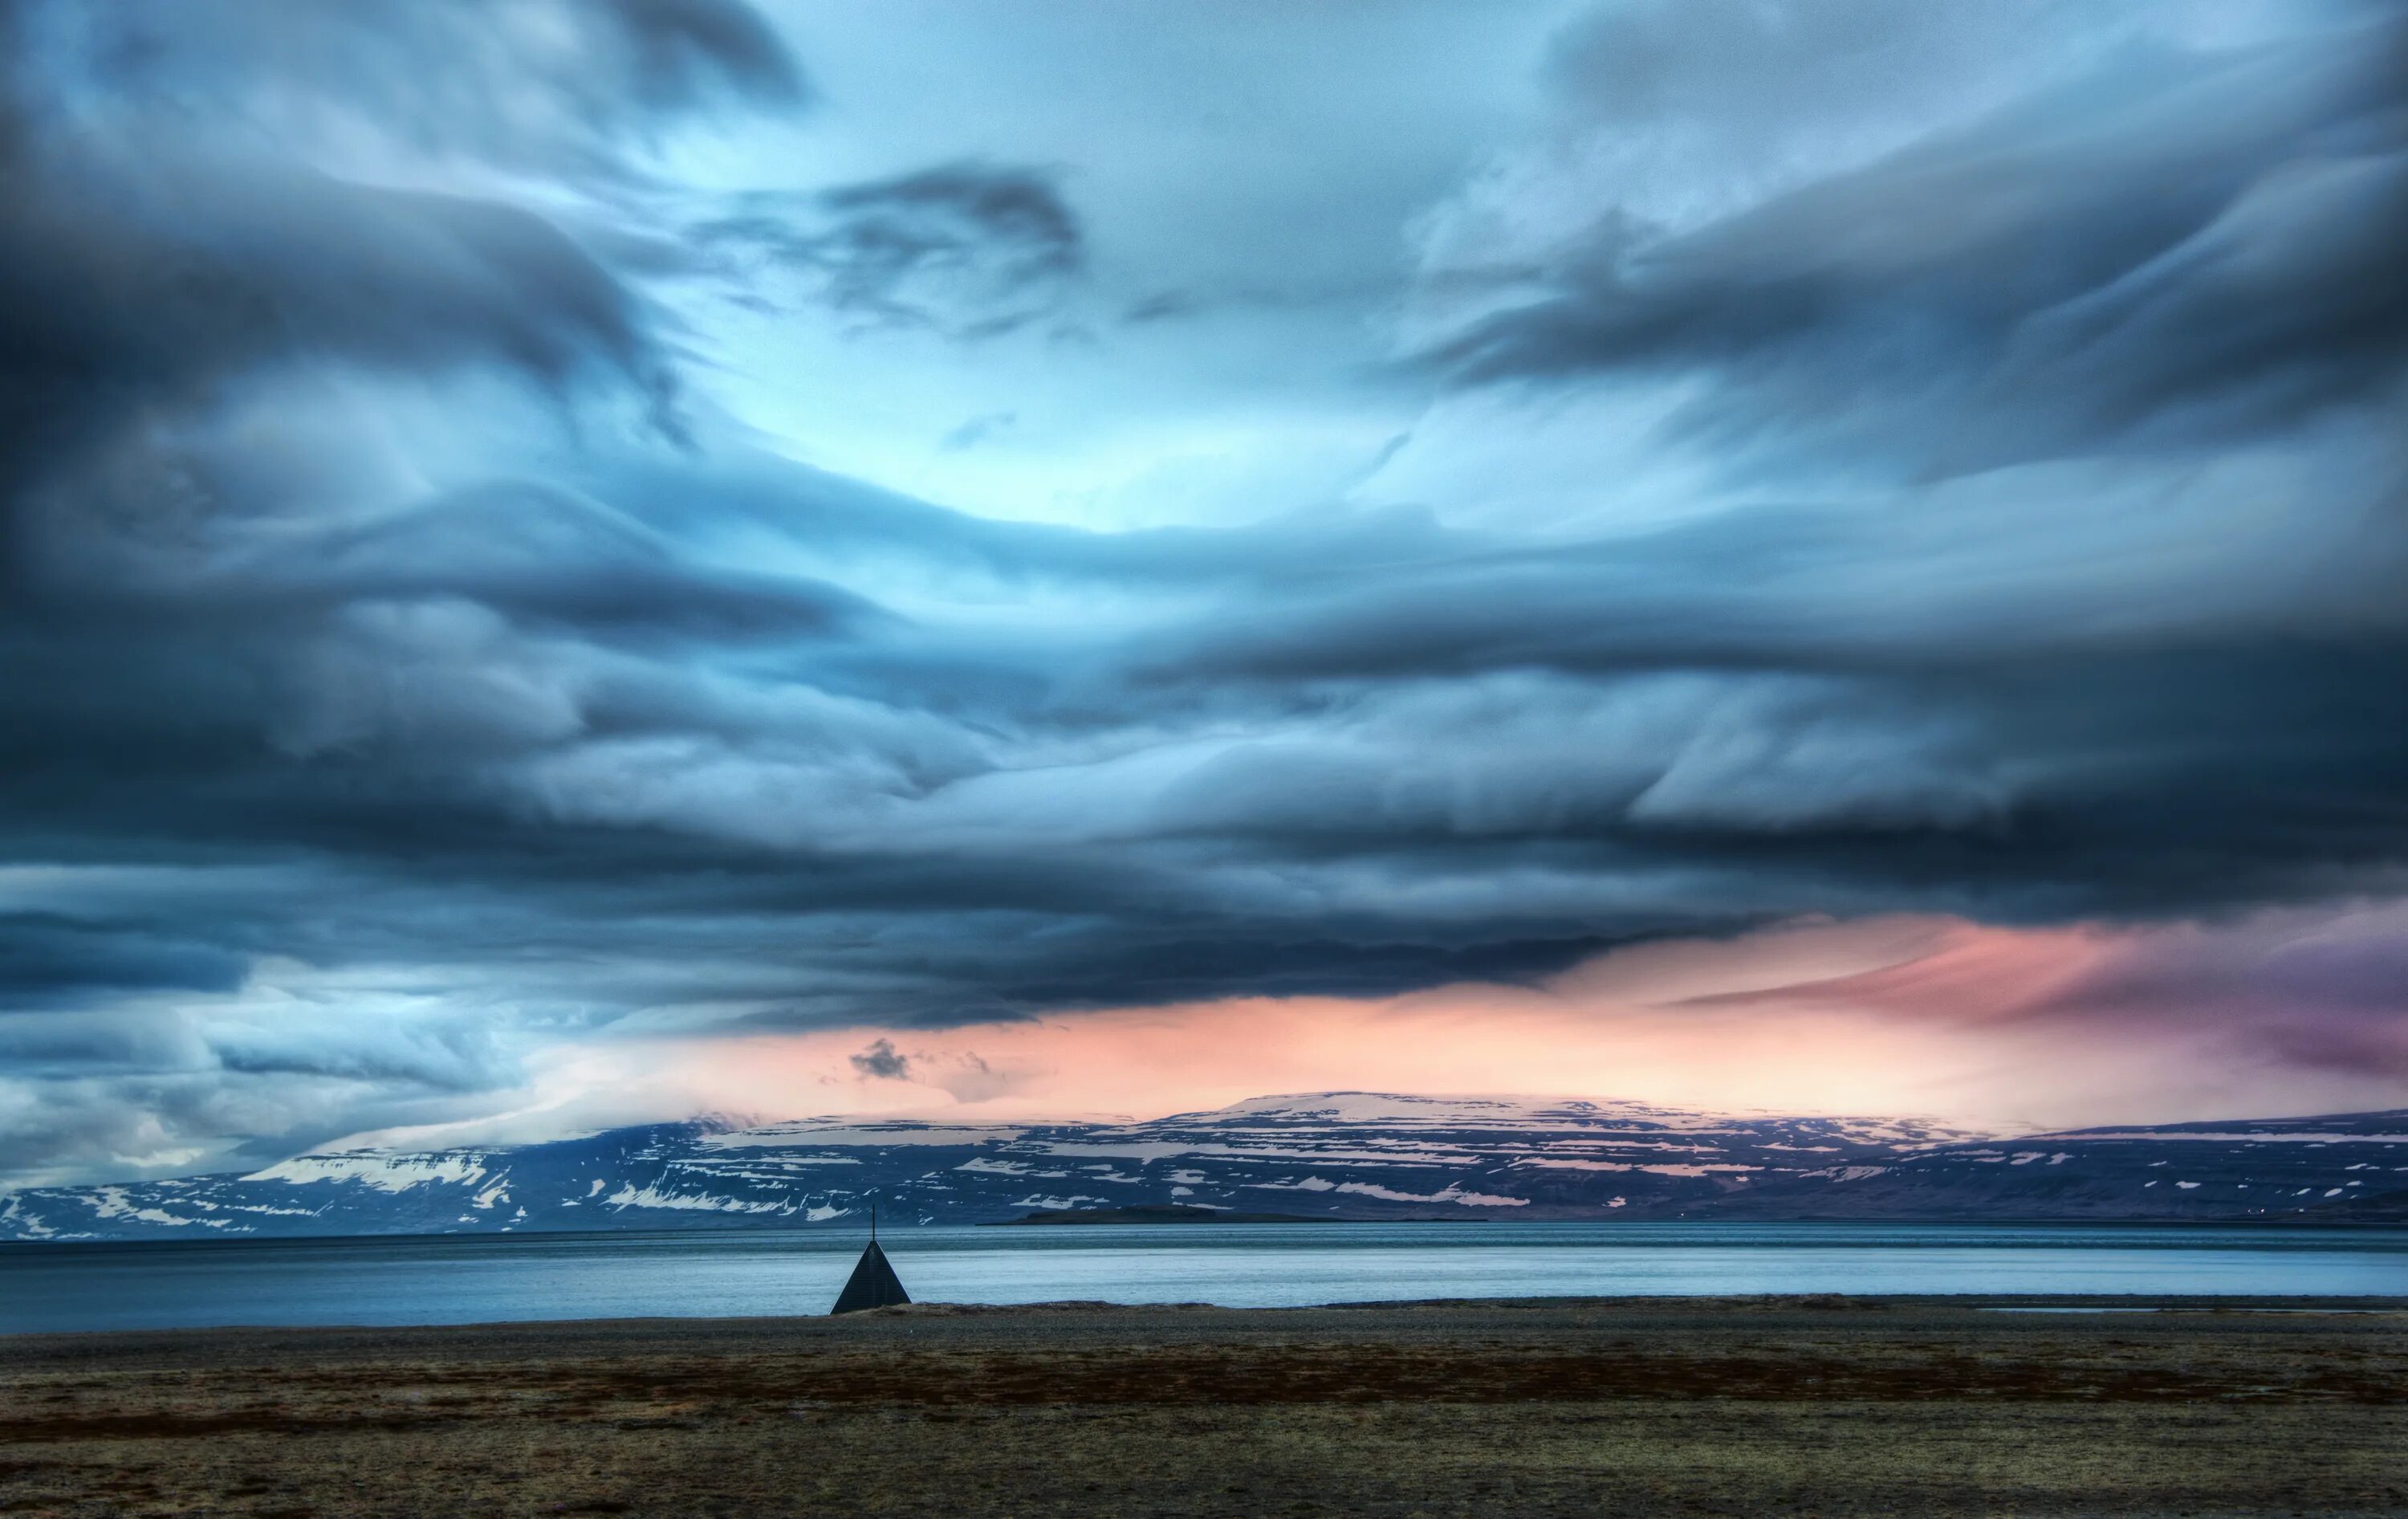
(873, 1283)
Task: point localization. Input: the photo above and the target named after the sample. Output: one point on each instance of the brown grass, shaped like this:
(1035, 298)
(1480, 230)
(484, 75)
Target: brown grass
(1567, 1408)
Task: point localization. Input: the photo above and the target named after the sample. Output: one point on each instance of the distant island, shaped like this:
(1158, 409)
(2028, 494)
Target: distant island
(1159, 1213)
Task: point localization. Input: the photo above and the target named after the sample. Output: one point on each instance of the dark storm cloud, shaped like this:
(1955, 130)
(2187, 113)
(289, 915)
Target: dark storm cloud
(2163, 251)
(557, 86)
(48, 958)
(159, 249)
(403, 673)
(439, 1057)
(146, 277)
(174, 280)
(545, 557)
(971, 249)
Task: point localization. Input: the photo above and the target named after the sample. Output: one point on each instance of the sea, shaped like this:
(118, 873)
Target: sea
(413, 1280)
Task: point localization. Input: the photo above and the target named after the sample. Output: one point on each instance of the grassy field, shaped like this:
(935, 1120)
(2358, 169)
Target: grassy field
(1587, 1407)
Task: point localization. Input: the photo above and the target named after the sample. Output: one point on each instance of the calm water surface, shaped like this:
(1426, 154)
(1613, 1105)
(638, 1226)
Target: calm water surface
(444, 1279)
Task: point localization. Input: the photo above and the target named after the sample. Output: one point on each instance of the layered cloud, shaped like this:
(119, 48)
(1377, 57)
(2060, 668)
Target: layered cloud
(1958, 474)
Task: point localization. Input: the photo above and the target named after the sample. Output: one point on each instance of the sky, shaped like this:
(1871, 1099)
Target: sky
(576, 561)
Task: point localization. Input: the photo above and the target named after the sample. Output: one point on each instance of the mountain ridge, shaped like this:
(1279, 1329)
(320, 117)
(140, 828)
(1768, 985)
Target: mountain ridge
(1330, 1154)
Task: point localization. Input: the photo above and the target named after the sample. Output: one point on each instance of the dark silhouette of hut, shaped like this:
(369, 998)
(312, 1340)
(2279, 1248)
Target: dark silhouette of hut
(873, 1283)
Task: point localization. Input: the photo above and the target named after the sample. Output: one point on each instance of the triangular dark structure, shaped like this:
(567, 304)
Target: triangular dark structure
(874, 1284)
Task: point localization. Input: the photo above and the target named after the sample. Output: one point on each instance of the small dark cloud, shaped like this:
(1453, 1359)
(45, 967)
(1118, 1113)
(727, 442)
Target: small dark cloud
(970, 249)
(1263, 299)
(881, 1063)
(1164, 306)
(981, 428)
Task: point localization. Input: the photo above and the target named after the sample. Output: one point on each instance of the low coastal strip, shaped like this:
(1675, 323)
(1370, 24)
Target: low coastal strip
(1567, 1405)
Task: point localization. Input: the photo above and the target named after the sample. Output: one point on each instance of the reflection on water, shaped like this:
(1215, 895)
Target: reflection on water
(445, 1280)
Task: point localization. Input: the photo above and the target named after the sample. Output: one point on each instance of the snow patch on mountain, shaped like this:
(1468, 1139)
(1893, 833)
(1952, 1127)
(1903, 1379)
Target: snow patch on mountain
(851, 1131)
(385, 1171)
(627, 1197)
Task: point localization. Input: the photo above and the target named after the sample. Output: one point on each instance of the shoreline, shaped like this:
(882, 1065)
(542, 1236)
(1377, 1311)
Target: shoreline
(2032, 1305)
(860, 1230)
(2168, 1305)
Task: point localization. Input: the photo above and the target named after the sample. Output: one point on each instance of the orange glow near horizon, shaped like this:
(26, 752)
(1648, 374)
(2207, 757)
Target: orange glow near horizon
(1904, 1015)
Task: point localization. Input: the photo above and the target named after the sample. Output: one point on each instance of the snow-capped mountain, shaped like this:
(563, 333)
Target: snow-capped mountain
(1339, 1154)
